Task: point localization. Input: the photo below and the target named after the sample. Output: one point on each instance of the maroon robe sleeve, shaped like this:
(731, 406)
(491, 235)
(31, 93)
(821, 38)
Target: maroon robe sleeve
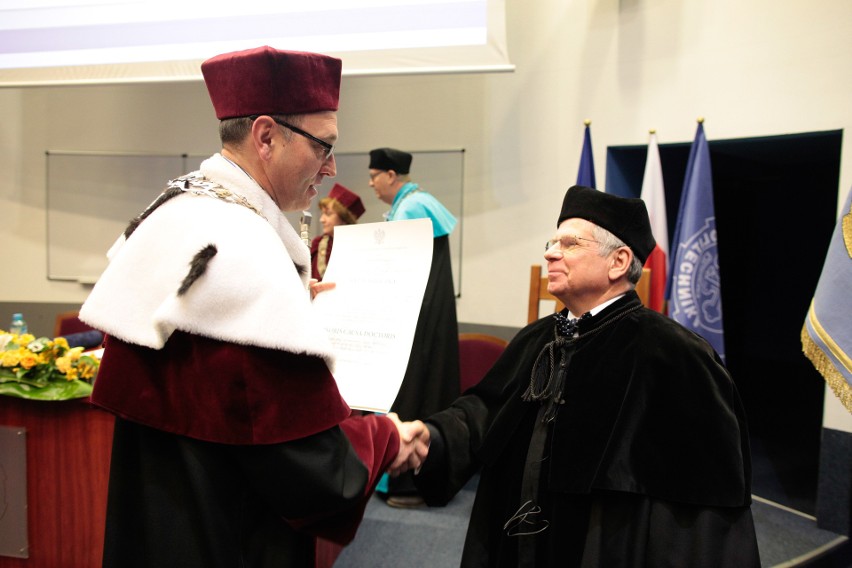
(376, 443)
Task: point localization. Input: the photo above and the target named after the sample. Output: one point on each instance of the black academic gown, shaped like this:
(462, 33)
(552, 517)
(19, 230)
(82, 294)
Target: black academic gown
(645, 464)
(177, 501)
(431, 379)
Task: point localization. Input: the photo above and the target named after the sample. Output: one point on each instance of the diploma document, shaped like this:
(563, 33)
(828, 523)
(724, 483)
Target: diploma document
(380, 271)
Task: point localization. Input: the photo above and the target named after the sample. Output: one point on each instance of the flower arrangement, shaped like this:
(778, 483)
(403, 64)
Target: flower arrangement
(44, 369)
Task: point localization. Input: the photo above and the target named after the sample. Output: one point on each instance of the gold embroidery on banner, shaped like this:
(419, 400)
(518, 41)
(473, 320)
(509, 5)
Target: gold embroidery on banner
(836, 382)
(826, 338)
(847, 232)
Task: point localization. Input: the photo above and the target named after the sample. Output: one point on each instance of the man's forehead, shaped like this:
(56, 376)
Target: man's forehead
(321, 124)
(575, 225)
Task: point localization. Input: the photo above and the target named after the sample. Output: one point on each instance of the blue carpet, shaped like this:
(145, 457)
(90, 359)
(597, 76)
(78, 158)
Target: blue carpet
(434, 538)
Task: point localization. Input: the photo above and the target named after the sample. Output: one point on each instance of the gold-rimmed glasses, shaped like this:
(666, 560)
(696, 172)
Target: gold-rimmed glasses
(566, 242)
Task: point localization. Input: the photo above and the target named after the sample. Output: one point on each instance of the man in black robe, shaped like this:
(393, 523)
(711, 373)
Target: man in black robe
(431, 379)
(616, 439)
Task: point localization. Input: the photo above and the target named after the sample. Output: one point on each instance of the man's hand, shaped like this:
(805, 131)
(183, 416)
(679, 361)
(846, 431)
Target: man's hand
(316, 287)
(413, 446)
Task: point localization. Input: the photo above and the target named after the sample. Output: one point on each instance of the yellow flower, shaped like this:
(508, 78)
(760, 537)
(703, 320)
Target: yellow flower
(75, 353)
(61, 342)
(29, 360)
(71, 374)
(25, 338)
(86, 368)
(10, 358)
(63, 364)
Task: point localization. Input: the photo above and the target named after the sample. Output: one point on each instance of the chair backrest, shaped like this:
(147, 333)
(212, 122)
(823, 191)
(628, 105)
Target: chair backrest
(68, 323)
(643, 287)
(477, 354)
(538, 292)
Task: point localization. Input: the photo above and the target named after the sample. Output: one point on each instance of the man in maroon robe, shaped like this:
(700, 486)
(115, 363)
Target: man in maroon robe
(233, 446)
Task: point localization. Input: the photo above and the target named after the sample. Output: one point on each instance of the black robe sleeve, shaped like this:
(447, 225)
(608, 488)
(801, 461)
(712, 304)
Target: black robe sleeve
(470, 431)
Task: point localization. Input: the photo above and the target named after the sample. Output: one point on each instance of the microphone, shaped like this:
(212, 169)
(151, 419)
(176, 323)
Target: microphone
(305, 227)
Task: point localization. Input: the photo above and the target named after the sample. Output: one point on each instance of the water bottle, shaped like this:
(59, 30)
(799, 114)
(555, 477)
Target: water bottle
(18, 325)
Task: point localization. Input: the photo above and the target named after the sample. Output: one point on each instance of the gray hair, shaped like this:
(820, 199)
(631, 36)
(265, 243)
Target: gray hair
(609, 243)
(235, 130)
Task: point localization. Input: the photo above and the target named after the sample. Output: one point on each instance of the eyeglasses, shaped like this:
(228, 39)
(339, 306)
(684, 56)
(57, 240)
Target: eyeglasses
(328, 149)
(566, 243)
(378, 173)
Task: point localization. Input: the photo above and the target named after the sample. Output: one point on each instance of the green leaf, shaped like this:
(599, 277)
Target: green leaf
(64, 390)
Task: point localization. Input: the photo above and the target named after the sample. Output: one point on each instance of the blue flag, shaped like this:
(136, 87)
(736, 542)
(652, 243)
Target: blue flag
(586, 174)
(695, 285)
(827, 333)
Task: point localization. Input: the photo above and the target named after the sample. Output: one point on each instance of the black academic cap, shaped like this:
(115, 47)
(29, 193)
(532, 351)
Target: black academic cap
(624, 217)
(390, 159)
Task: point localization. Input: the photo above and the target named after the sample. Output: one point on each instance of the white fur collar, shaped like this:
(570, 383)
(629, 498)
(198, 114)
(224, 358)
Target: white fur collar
(251, 293)
(227, 173)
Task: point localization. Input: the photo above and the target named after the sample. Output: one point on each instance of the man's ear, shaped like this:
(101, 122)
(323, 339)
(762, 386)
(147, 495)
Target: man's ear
(262, 131)
(622, 258)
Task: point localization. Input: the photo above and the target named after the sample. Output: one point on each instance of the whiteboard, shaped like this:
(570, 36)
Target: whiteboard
(92, 196)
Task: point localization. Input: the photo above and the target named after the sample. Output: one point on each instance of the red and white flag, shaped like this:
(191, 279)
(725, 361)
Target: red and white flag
(655, 200)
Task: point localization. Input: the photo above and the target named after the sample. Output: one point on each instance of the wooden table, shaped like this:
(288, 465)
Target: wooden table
(68, 452)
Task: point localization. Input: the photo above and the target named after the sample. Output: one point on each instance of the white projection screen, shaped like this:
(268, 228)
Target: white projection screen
(59, 42)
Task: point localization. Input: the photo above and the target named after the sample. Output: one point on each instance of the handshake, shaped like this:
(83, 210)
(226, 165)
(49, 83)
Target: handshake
(413, 446)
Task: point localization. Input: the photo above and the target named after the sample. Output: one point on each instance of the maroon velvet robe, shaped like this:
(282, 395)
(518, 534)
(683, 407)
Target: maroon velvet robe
(230, 455)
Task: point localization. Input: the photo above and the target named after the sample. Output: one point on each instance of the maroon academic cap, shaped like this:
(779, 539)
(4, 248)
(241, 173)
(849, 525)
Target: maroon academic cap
(348, 199)
(264, 80)
(624, 217)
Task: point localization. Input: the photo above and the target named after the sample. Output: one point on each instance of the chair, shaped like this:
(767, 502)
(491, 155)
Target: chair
(477, 354)
(643, 287)
(538, 291)
(68, 323)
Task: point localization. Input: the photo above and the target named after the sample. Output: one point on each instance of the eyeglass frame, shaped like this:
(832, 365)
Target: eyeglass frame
(328, 148)
(553, 242)
(378, 173)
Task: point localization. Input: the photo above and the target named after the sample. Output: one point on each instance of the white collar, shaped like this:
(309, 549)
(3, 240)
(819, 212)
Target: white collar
(599, 308)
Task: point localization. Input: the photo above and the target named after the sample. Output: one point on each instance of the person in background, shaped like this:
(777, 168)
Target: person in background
(431, 380)
(340, 207)
(232, 445)
(608, 435)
